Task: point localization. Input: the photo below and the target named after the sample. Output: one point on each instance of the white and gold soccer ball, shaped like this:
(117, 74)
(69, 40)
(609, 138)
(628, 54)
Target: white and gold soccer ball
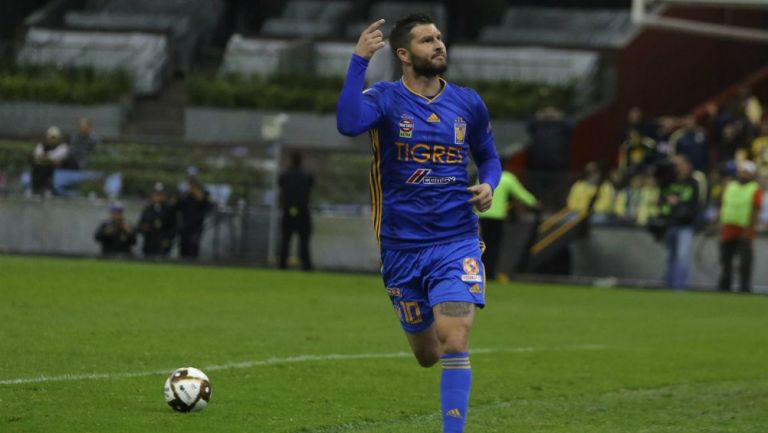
(187, 390)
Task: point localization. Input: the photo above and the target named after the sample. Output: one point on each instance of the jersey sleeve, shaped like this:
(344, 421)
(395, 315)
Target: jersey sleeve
(482, 145)
(357, 111)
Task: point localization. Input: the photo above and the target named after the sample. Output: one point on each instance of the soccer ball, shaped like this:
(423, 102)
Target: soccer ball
(187, 390)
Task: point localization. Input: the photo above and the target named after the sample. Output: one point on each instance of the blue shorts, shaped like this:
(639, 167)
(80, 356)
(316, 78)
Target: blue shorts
(417, 279)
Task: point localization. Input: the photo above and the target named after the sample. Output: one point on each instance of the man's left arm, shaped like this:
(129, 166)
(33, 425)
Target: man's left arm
(483, 150)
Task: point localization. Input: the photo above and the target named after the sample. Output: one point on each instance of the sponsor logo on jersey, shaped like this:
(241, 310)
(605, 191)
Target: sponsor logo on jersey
(433, 118)
(435, 153)
(472, 278)
(422, 176)
(459, 130)
(406, 126)
(476, 289)
(470, 266)
(394, 292)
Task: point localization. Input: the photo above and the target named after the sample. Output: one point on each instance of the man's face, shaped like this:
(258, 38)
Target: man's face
(158, 197)
(682, 168)
(744, 175)
(117, 216)
(53, 140)
(84, 127)
(427, 51)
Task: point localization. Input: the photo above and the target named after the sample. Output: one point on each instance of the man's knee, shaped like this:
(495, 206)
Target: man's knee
(427, 358)
(456, 342)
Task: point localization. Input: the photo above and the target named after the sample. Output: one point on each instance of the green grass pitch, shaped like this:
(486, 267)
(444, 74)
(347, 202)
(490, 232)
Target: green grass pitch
(85, 346)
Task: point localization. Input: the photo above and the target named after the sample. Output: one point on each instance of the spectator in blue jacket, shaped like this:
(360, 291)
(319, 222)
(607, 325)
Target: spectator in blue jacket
(691, 142)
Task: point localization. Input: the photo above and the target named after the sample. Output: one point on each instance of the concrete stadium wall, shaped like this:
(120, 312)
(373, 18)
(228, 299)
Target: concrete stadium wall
(632, 253)
(31, 119)
(66, 226)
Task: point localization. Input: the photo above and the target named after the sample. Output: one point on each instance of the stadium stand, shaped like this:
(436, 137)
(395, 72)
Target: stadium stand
(143, 55)
(560, 27)
(204, 14)
(392, 11)
(182, 39)
(308, 19)
(471, 62)
(247, 56)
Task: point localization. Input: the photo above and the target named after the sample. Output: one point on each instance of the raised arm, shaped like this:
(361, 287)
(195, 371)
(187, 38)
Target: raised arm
(356, 112)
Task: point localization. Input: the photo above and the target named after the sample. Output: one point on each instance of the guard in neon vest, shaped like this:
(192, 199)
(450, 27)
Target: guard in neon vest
(492, 220)
(741, 203)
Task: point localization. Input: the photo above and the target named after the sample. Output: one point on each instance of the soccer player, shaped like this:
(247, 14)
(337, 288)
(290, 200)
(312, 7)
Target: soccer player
(423, 130)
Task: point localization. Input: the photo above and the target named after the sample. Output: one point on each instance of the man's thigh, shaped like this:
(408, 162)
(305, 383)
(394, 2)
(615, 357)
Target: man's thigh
(401, 271)
(456, 275)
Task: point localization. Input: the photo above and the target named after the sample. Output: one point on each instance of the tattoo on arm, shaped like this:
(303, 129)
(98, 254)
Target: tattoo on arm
(456, 309)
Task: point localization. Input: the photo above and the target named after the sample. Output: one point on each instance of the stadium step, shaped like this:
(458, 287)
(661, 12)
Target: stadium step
(161, 115)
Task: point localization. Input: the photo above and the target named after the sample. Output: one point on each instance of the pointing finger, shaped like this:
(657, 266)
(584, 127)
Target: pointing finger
(374, 26)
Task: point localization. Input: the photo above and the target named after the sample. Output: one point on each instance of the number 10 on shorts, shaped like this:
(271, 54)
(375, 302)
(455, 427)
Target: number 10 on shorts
(410, 311)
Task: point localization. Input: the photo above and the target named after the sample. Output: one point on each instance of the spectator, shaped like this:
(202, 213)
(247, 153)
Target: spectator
(46, 158)
(691, 141)
(192, 206)
(742, 200)
(492, 220)
(667, 126)
(116, 235)
(733, 142)
(585, 197)
(637, 123)
(648, 207)
(157, 224)
(749, 106)
(760, 150)
(295, 188)
(81, 145)
(637, 153)
(679, 206)
(549, 133)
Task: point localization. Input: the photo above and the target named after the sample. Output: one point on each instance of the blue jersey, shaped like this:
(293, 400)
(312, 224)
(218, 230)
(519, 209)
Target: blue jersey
(421, 148)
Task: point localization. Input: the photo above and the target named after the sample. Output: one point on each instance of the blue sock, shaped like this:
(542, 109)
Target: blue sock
(454, 391)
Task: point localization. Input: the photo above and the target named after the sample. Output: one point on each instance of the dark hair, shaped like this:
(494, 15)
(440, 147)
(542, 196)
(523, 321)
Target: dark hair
(401, 33)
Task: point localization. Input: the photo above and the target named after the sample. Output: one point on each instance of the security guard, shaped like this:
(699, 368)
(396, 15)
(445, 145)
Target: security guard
(742, 200)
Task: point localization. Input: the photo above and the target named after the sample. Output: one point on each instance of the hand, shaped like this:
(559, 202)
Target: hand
(673, 200)
(371, 40)
(483, 196)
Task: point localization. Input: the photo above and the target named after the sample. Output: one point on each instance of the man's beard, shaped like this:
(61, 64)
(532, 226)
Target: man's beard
(427, 68)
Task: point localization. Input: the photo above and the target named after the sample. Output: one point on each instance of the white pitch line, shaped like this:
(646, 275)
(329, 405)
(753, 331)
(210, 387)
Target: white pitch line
(278, 361)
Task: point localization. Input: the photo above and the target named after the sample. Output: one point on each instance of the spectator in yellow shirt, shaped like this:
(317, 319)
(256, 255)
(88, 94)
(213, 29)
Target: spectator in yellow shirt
(760, 150)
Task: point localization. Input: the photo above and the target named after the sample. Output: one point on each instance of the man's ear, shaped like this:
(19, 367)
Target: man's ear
(403, 55)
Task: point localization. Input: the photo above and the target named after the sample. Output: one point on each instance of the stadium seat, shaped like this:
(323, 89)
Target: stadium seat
(265, 56)
(143, 55)
(552, 66)
(559, 26)
(308, 19)
(204, 14)
(393, 11)
(183, 39)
